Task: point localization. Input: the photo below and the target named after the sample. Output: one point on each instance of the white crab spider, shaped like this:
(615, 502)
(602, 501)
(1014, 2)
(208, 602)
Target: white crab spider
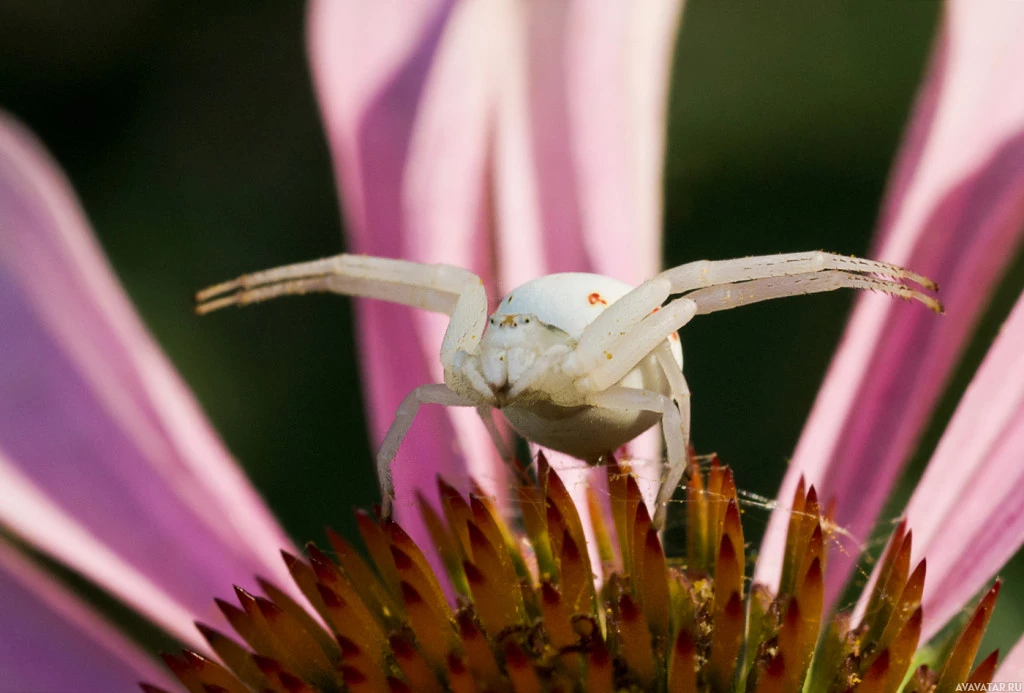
(578, 363)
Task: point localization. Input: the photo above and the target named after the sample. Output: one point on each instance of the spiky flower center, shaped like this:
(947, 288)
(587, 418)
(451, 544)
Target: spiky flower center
(529, 615)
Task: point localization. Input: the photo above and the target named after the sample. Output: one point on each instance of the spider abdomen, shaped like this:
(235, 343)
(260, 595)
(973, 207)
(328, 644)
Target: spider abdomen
(584, 432)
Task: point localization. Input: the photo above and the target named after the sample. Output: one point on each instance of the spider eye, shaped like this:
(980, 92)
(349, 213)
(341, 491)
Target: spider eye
(492, 321)
(527, 320)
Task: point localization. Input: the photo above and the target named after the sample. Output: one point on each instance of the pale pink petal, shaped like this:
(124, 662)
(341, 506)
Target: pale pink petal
(51, 641)
(38, 520)
(445, 200)
(1012, 666)
(967, 513)
(101, 444)
(536, 225)
(519, 223)
(546, 34)
(579, 160)
(513, 76)
(955, 214)
(371, 59)
(370, 64)
(454, 142)
(617, 63)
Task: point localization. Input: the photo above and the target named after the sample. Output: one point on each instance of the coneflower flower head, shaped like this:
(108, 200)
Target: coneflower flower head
(530, 616)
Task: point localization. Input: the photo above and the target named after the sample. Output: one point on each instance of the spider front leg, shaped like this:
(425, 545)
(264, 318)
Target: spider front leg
(672, 428)
(633, 308)
(728, 296)
(706, 273)
(454, 291)
(623, 350)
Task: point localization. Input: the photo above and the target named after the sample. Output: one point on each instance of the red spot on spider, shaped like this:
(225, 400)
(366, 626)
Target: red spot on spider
(656, 309)
(674, 336)
(595, 298)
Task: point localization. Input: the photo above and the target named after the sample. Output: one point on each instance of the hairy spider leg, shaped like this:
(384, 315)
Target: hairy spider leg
(707, 273)
(454, 291)
(635, 306)
(725, 297)
(625, 351)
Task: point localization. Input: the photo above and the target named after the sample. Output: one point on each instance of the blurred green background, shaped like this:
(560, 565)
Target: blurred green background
(190, 131)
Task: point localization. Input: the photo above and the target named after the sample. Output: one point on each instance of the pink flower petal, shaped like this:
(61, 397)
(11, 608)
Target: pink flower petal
(473, 196)
(617, 63)
(51, 641)
(106, 462)
(370, 64)
(955, 214)
(510, 68)
(1012, 666)
(967, 512)
(370, 59)
(618, 59)
(445, 199)
(452, 116)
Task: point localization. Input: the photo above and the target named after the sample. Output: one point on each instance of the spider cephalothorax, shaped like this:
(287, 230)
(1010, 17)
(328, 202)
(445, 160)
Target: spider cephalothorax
(580, 363)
